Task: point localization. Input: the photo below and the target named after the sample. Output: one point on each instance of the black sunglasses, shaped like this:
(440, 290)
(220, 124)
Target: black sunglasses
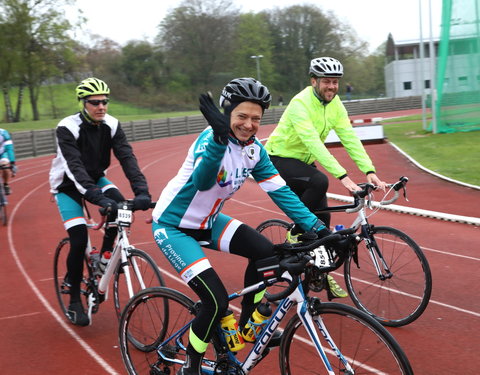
(96, 102)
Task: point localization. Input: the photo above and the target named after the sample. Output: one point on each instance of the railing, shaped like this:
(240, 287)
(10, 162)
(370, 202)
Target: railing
(42, 142)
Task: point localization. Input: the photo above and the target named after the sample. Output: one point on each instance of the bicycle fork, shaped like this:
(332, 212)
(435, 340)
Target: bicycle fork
(304, 311)
(375, 254)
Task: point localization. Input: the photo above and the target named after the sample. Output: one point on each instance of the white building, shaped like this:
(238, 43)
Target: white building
(405, 69)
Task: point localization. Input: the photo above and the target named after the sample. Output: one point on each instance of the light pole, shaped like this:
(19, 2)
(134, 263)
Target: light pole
(257, 58)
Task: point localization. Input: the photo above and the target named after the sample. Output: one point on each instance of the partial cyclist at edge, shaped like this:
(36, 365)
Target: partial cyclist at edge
(299, 140)
(7, 159)
(188, 212)
(85, 141)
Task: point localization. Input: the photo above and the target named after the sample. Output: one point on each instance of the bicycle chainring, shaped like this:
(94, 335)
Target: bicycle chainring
(226, 367)
(317, 280)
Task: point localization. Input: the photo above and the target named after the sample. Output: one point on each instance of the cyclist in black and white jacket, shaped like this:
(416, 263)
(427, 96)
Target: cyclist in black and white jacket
(85, 141)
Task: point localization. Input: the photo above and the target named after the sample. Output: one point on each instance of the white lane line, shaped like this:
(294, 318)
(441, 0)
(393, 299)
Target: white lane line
(20, 315)
(60, 319)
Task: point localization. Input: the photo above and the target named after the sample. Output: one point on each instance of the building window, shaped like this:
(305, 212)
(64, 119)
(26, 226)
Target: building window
(407, 85)
(427, 83)
(463, 81)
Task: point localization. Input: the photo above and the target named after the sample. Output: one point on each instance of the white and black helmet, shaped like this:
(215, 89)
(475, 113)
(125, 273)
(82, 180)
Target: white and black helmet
(243, 90)
(326, 67)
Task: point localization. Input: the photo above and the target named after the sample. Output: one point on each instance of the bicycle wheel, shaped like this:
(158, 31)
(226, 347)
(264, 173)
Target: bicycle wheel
(142, 269)
(146, 319)
(60, 278)
(364, 343)
(274, 229)
(401, 297)
(3, 205)
(3, 214)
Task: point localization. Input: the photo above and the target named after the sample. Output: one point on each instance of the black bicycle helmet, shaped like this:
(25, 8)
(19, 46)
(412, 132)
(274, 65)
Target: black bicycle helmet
(326, 67)
(243, 90)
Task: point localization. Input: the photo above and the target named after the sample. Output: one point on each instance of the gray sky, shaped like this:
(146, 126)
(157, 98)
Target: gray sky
(372, 20)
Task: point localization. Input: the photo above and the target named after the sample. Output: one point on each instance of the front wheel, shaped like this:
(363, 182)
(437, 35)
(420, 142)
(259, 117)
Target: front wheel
(144, 273)
(402, 292)
(147, 321)
(364, 346)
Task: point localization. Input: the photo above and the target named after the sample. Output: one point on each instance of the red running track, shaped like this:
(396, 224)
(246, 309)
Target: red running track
(36, 339)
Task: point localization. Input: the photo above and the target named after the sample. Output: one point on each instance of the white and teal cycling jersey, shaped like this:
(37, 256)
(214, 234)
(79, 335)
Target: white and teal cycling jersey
(212, 173)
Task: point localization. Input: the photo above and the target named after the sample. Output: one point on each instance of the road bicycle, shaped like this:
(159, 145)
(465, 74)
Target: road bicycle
(319, 338)
(132, 269)
(3, 198)
(389, 277)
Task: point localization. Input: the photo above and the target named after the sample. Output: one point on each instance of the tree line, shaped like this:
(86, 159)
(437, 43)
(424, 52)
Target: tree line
(201, 45)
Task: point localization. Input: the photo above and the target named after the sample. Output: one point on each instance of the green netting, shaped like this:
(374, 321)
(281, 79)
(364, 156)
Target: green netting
(458, 69)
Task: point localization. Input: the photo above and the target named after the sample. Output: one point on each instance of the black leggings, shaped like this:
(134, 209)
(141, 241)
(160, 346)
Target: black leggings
(248, 243)
(310, 184)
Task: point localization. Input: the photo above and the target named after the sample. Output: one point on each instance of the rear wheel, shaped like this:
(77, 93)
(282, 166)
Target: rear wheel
(3, 214)
(61, 282)
(402, 293)
(276, 231)
(365, 346)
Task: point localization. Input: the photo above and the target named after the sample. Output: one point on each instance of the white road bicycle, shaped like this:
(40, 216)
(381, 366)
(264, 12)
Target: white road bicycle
(132, 269)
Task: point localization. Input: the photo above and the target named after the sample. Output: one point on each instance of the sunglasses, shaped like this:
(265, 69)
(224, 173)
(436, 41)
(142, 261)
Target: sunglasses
(96, 102)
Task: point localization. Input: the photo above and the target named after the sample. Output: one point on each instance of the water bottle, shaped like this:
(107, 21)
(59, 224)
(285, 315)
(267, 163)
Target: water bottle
(338, 227)
(230, 329)
(106, 255)
(257, 321)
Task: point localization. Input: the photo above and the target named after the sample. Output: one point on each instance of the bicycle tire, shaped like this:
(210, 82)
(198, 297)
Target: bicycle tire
(145, 319)
(365, 343)
(62, 289)
(3, 206)
(398, 300)
(149, 272)
(3, 214)
(276, 231)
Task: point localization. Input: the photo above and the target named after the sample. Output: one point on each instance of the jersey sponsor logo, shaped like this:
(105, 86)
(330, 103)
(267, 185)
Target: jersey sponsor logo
(222, 178)
(250, 151)
(160, 235)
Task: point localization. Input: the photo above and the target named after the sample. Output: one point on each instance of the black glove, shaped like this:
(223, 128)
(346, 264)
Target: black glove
(320, 229)
(142, 202)
(110, 208)
(218, 121)
(94, 195)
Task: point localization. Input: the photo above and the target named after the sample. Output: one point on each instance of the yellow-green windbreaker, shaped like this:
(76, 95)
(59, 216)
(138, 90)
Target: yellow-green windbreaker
(303, 128)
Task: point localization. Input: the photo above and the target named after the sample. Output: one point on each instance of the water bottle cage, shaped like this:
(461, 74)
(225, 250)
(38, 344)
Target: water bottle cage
(254, 327)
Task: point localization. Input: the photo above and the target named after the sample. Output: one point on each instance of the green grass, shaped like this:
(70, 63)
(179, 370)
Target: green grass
(454, 155)
(58, 101)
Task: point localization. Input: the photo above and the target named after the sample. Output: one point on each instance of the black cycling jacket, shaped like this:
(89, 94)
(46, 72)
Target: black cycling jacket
(84, 151)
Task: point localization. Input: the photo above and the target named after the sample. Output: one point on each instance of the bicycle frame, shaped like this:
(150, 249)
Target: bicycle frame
(119, 253)
(261, 343)
(361, 221)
